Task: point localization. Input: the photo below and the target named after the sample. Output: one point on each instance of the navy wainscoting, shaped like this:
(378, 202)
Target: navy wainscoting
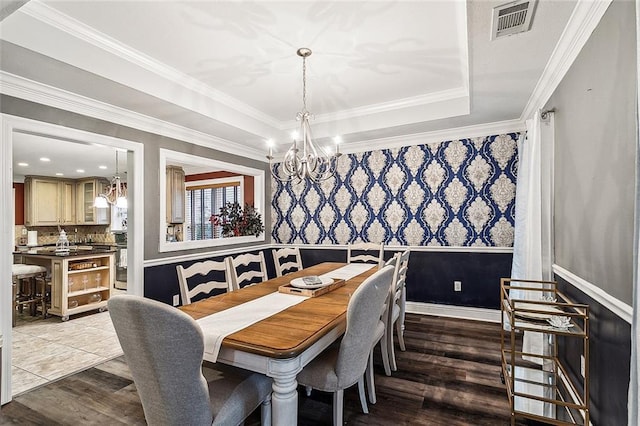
(429, 280)
(431, 275)
(161, 281)
(610, 355)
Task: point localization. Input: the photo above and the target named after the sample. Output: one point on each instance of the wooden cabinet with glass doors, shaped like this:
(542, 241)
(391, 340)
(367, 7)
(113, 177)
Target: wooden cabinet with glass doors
(552, 387)
(86, 192)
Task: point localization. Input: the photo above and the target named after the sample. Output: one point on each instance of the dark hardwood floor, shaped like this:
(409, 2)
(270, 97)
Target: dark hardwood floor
(449, 375)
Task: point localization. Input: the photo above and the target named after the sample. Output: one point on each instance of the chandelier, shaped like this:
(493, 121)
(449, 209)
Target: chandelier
(115, 195)
(304, 159)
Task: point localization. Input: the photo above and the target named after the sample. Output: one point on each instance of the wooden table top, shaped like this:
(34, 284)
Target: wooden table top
(287, 333)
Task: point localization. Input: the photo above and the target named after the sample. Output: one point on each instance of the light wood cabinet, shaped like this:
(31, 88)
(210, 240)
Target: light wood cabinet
(175, 195)
(86, 192)
(79, 283)
(539, 386)
(49, 202)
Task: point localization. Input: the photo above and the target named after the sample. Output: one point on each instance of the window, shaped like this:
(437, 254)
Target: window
(203, 199)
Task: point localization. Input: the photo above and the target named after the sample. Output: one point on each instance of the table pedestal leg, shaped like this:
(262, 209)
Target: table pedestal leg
(284, 399)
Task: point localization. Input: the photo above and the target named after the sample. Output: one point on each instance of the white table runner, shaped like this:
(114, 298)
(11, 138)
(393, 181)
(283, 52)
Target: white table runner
(349, 271)
(216, 327)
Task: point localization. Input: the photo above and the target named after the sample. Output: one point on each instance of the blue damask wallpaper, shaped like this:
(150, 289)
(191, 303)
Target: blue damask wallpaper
(453, 193)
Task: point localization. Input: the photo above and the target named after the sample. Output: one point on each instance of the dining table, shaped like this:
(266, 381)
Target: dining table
(282, 343)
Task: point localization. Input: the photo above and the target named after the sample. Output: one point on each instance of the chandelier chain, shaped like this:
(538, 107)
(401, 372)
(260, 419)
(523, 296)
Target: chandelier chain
(304, 84)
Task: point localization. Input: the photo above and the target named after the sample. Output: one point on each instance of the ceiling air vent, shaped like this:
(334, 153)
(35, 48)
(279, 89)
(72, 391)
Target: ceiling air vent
(512, 18)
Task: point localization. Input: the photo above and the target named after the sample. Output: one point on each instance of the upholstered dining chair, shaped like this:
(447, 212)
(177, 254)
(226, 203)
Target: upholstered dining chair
(247, 269)
(344, 364)
(163, 348)
(397, 308)
(286, 259)
(381, 332)
(366, 253)
(202, 277)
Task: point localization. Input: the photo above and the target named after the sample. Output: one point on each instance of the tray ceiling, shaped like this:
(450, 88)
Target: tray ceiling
(229, 69)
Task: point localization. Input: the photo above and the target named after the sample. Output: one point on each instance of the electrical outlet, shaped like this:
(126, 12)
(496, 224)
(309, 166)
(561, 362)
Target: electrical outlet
(582, 365)
(176, 299)
(457, 286)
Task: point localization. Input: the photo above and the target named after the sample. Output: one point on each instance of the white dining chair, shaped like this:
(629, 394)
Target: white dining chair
(366, 253)
(164, 348)
(247, 269)
(343, 365)
(396, 310)
(202, 277)
(286, 259)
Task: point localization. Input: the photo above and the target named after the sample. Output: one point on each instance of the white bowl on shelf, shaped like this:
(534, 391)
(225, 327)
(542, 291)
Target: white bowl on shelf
(558, 321)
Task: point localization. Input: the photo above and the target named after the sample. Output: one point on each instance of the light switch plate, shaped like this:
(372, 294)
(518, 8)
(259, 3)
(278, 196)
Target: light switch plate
(457, 286)
(176, 299)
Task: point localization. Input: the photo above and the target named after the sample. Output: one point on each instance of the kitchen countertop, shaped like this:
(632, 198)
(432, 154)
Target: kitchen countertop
(50, 252)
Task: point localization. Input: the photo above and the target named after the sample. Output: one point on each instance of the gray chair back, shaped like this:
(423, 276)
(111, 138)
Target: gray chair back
(363, 318)
(163, 347)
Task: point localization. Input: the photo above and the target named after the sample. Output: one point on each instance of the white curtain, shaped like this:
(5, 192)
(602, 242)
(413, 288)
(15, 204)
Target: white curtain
(634, 379)
(527, 244)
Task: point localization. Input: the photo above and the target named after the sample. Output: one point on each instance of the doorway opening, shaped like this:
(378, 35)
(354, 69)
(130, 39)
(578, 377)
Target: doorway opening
(13, 128)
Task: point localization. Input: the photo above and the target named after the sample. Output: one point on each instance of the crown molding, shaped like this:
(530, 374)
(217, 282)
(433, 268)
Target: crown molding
(584, 19)
(80, 31)
(613, 304)
(414, 101)
(19, 87)
(496, 128)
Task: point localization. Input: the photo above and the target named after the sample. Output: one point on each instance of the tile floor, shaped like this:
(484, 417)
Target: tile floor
(47, 350)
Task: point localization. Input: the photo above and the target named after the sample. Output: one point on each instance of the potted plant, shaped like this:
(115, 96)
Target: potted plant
(236, 222)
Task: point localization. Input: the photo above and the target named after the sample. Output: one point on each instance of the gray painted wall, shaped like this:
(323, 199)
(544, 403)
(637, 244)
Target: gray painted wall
(595, 149)
(152, 144)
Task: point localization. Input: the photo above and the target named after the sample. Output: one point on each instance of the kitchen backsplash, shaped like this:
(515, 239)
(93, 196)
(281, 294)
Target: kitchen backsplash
(76, 234)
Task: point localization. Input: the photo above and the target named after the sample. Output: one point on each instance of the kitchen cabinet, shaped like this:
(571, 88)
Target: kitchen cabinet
(552, 387)
(86, 192)
(49, 202)
(79, 282)
(175, 195)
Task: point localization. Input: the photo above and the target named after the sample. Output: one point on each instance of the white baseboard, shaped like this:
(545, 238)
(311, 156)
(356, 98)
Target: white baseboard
(464, 312)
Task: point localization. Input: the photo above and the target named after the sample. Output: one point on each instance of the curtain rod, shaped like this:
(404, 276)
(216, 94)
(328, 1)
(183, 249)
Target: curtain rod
(544, 114)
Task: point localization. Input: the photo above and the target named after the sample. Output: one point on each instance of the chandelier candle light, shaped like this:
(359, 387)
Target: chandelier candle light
(115, 195)
(313, 163)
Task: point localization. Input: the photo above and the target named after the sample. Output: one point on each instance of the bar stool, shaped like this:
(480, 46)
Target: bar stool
(29, 288)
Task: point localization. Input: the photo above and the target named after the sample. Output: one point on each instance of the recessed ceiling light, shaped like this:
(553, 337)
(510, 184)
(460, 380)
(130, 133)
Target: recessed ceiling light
(80, 171)
(45, 159)
(59, 174)
(23, 164)
(102, 167)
